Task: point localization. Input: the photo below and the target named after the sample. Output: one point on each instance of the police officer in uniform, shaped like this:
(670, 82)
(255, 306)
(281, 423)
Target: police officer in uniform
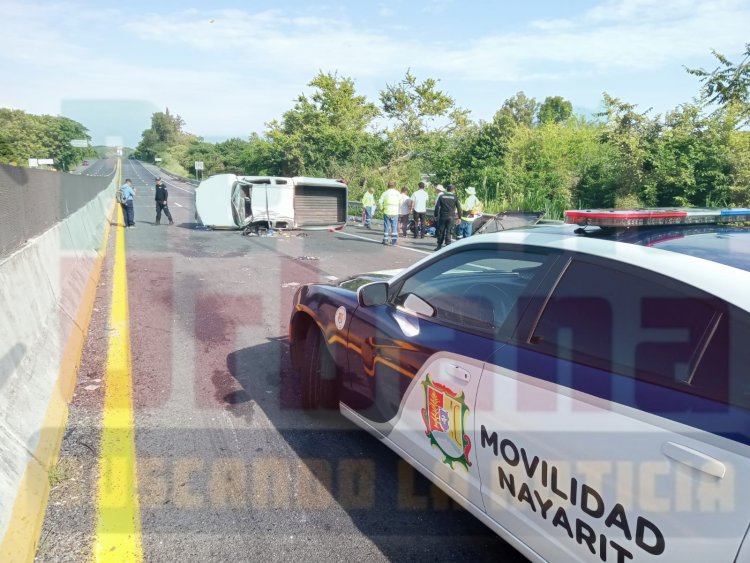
(160, 197)
(447, 210)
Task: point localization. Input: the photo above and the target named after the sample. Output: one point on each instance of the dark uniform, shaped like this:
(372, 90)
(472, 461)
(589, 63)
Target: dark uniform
(447, 209)
(160, 197)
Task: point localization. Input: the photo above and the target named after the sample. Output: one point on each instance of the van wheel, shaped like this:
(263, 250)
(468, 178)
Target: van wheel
(319, 379)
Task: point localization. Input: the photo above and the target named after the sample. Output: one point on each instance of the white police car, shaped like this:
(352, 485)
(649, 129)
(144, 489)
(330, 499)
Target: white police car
(584, 390)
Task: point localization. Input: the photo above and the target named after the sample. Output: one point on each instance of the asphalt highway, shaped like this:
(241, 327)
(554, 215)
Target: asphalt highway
(229, 466)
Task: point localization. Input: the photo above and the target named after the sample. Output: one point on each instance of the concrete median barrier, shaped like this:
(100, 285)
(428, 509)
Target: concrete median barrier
(47, 290)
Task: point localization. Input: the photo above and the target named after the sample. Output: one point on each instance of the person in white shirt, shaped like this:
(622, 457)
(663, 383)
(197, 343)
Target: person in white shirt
(419, 210)
(403, 211)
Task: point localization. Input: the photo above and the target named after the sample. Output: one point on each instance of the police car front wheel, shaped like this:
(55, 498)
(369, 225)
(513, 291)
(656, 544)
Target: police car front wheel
(318, 374)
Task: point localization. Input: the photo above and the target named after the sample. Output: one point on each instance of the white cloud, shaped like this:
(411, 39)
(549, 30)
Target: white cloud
(626, 34)
(385, 11)
(436, 6)
(246, 67)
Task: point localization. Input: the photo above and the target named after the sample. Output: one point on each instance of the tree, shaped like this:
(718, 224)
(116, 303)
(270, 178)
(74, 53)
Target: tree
(167, 127)
(728, 83)
(517, 110)
(630, 133)
(199, 150)
(231, 152)
(324, 130)
(554, 109)
(690, 160)
(418, 109)
(24, 136)
(165, 131)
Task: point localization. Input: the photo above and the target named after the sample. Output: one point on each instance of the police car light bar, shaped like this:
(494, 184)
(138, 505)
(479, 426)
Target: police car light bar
(655, 217)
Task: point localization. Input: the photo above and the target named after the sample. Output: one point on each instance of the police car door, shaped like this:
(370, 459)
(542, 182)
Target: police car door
(606, 430)
(415, 362)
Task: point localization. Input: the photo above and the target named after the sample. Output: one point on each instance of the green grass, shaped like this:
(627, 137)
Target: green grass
(60, 472)
(170, 164)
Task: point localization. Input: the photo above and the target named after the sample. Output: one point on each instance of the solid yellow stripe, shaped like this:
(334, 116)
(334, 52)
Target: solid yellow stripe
(118, 526)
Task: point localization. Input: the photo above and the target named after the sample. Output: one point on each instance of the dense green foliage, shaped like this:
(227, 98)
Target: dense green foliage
(24, 136)
(530, 155)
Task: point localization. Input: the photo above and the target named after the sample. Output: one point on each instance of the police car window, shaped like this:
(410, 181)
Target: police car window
(637, 324)
(722, 373)
(474, 289)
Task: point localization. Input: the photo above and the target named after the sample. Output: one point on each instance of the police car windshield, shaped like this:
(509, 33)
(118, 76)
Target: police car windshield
(725, 246)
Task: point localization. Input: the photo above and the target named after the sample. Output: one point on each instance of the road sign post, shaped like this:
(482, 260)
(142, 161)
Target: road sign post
(198, 167)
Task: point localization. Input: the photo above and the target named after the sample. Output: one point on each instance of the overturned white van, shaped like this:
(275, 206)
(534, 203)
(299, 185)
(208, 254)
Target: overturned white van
(228, 201)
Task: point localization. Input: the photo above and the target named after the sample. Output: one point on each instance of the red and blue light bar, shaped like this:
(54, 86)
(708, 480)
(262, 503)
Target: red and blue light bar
(655, 216)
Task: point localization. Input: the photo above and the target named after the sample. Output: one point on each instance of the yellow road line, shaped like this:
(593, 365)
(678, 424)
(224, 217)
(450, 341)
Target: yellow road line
(118, 526)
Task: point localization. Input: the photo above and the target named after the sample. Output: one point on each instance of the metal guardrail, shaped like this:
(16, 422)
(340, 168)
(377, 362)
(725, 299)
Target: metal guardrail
(174, 176)
(32, 201)
(356, 209)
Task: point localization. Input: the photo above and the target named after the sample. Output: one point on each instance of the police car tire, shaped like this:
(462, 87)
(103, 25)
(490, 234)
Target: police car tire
(318, 375)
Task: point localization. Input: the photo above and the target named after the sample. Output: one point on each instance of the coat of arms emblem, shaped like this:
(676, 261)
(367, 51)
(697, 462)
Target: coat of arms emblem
(443, 416)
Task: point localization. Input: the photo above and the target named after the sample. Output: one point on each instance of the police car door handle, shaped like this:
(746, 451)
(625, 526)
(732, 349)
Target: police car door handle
(459, 373)
(693, 458)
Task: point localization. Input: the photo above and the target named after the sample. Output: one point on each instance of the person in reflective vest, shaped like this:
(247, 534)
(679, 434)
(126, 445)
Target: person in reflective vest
(472, 208)
(390, 202)
(368, 202)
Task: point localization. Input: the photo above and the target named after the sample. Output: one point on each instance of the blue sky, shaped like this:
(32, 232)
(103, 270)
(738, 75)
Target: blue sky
(229, 67)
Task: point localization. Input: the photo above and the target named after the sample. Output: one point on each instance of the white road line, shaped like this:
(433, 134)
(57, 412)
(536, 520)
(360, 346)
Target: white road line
(168, 183)
(378, 242)
(178, 187)
(177, 204)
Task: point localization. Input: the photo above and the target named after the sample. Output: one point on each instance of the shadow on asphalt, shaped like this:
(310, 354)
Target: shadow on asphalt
(389, 502)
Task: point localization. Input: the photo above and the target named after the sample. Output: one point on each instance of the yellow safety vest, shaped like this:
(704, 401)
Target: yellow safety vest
(390, 201)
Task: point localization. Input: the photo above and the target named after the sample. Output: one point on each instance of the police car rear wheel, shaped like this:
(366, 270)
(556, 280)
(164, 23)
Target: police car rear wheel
(318, 374)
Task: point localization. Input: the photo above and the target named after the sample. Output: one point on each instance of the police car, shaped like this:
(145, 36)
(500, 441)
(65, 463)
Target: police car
(583, 389)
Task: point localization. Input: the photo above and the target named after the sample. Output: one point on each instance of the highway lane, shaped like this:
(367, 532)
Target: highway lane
(229, 466)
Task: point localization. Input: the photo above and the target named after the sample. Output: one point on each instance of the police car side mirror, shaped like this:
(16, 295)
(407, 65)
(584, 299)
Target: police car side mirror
(373, 294)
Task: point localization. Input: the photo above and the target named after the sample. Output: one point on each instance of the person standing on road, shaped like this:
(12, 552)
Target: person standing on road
(128, 192)
(390, 201)
(439, 190)
(160, 197)
(368, 202)
(404, 210)
(472, 209)
(419, 210)
(447, 210)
